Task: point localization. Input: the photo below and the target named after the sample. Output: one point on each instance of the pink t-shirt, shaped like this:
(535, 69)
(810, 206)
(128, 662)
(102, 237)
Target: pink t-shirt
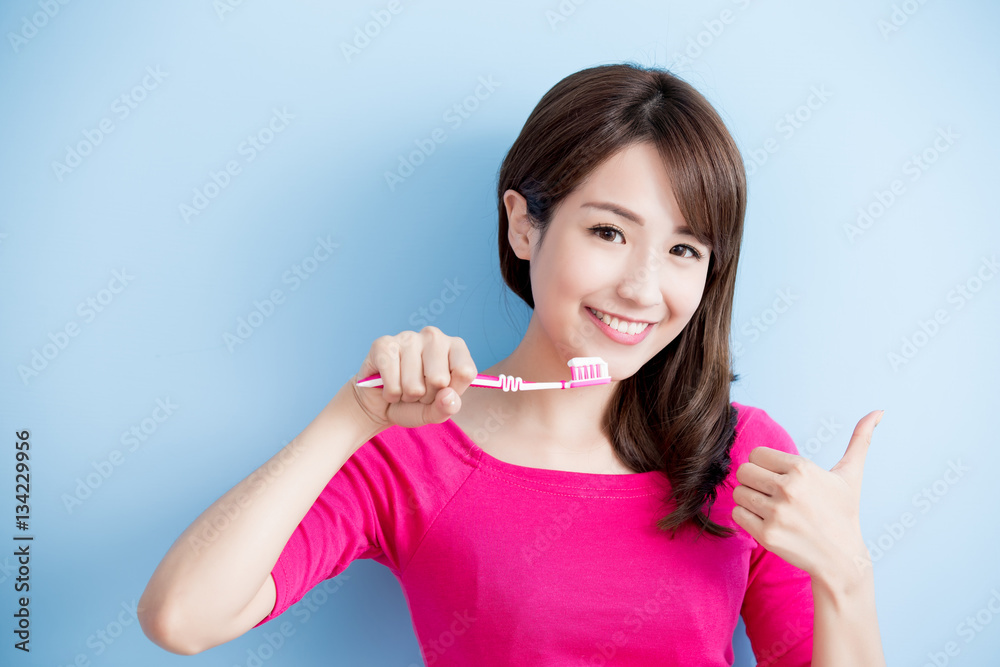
(503, 564)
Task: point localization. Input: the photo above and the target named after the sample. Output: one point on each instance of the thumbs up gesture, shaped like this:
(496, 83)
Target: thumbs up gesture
(808, 516)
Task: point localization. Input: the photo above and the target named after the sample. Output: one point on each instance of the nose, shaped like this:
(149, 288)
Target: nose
(641, 284)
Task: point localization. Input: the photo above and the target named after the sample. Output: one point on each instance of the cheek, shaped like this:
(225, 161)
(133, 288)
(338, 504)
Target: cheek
(553, 285)
(576, 277)
(685, 296)
(694, 296)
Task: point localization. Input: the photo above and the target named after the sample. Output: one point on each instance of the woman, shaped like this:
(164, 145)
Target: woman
(564, 527)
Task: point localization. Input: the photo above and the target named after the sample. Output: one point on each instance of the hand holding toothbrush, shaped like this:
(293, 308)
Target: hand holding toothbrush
(421, 377)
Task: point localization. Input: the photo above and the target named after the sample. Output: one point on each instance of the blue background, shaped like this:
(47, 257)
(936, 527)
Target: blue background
(892, 75)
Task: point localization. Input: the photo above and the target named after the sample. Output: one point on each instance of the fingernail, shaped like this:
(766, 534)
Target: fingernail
(451, 399)
(879, 418)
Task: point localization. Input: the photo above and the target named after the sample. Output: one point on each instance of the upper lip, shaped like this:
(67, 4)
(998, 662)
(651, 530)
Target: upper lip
(622, 317)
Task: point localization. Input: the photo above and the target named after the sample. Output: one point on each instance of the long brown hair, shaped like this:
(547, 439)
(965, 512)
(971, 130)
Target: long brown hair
(674, 415)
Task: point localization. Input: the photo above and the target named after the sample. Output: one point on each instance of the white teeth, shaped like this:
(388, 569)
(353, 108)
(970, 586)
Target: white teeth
(630, 328)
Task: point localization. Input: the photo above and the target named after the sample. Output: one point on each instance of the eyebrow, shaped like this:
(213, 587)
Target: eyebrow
(623, 212)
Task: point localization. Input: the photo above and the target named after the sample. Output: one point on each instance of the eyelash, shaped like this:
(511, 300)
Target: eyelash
(601, 228)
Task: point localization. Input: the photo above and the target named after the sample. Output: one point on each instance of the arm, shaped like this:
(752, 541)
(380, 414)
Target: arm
(845, 625)
(215, 581)
(810, 517)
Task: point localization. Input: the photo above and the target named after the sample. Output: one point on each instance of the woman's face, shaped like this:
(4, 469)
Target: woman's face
(595, 256)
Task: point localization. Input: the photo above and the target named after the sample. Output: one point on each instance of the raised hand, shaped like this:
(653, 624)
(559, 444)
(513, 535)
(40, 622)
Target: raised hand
(808, 516)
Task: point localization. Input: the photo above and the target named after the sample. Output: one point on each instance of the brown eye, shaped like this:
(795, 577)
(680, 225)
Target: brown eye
(694, 253)
(604, 229)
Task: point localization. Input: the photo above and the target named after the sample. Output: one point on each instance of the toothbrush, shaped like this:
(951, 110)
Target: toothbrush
(586, 371)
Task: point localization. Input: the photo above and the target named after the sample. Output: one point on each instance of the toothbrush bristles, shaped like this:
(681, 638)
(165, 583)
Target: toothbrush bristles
(588, 368)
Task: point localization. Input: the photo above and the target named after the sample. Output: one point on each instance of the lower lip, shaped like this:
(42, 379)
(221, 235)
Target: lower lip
(618, 336)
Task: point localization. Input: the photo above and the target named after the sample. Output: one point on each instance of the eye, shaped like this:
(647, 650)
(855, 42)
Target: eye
(694, 252)
(604, 229)
(601, 229)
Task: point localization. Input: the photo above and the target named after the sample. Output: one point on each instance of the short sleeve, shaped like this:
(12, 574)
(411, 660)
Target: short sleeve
(379, 505)
(778, 605)
(340, 527)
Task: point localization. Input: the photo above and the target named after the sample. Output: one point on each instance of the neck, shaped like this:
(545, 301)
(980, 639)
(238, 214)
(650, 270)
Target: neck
(568, 417)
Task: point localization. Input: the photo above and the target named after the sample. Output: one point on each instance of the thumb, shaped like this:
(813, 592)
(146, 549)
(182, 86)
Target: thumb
(446, 403)
(851, 465)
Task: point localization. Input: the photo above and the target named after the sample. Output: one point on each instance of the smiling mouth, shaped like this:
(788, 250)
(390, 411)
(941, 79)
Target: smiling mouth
(622, 326)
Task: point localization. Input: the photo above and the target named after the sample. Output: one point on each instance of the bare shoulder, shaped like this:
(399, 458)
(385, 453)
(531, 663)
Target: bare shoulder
(469, 418)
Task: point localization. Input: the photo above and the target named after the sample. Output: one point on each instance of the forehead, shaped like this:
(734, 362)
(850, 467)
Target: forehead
(635, 179)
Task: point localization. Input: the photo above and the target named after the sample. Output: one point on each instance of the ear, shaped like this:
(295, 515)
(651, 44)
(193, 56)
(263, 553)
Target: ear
(520, 232)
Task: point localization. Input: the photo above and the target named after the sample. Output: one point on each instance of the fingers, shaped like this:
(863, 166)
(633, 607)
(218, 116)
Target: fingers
(440, 409)
(759, 504)
(851, 465)
(386, 351)
(411, 367)
(747, 520)
(463, 368)
(774, 459)
(423, 375)
(758, 478)
(435, 360)
(862, 435)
